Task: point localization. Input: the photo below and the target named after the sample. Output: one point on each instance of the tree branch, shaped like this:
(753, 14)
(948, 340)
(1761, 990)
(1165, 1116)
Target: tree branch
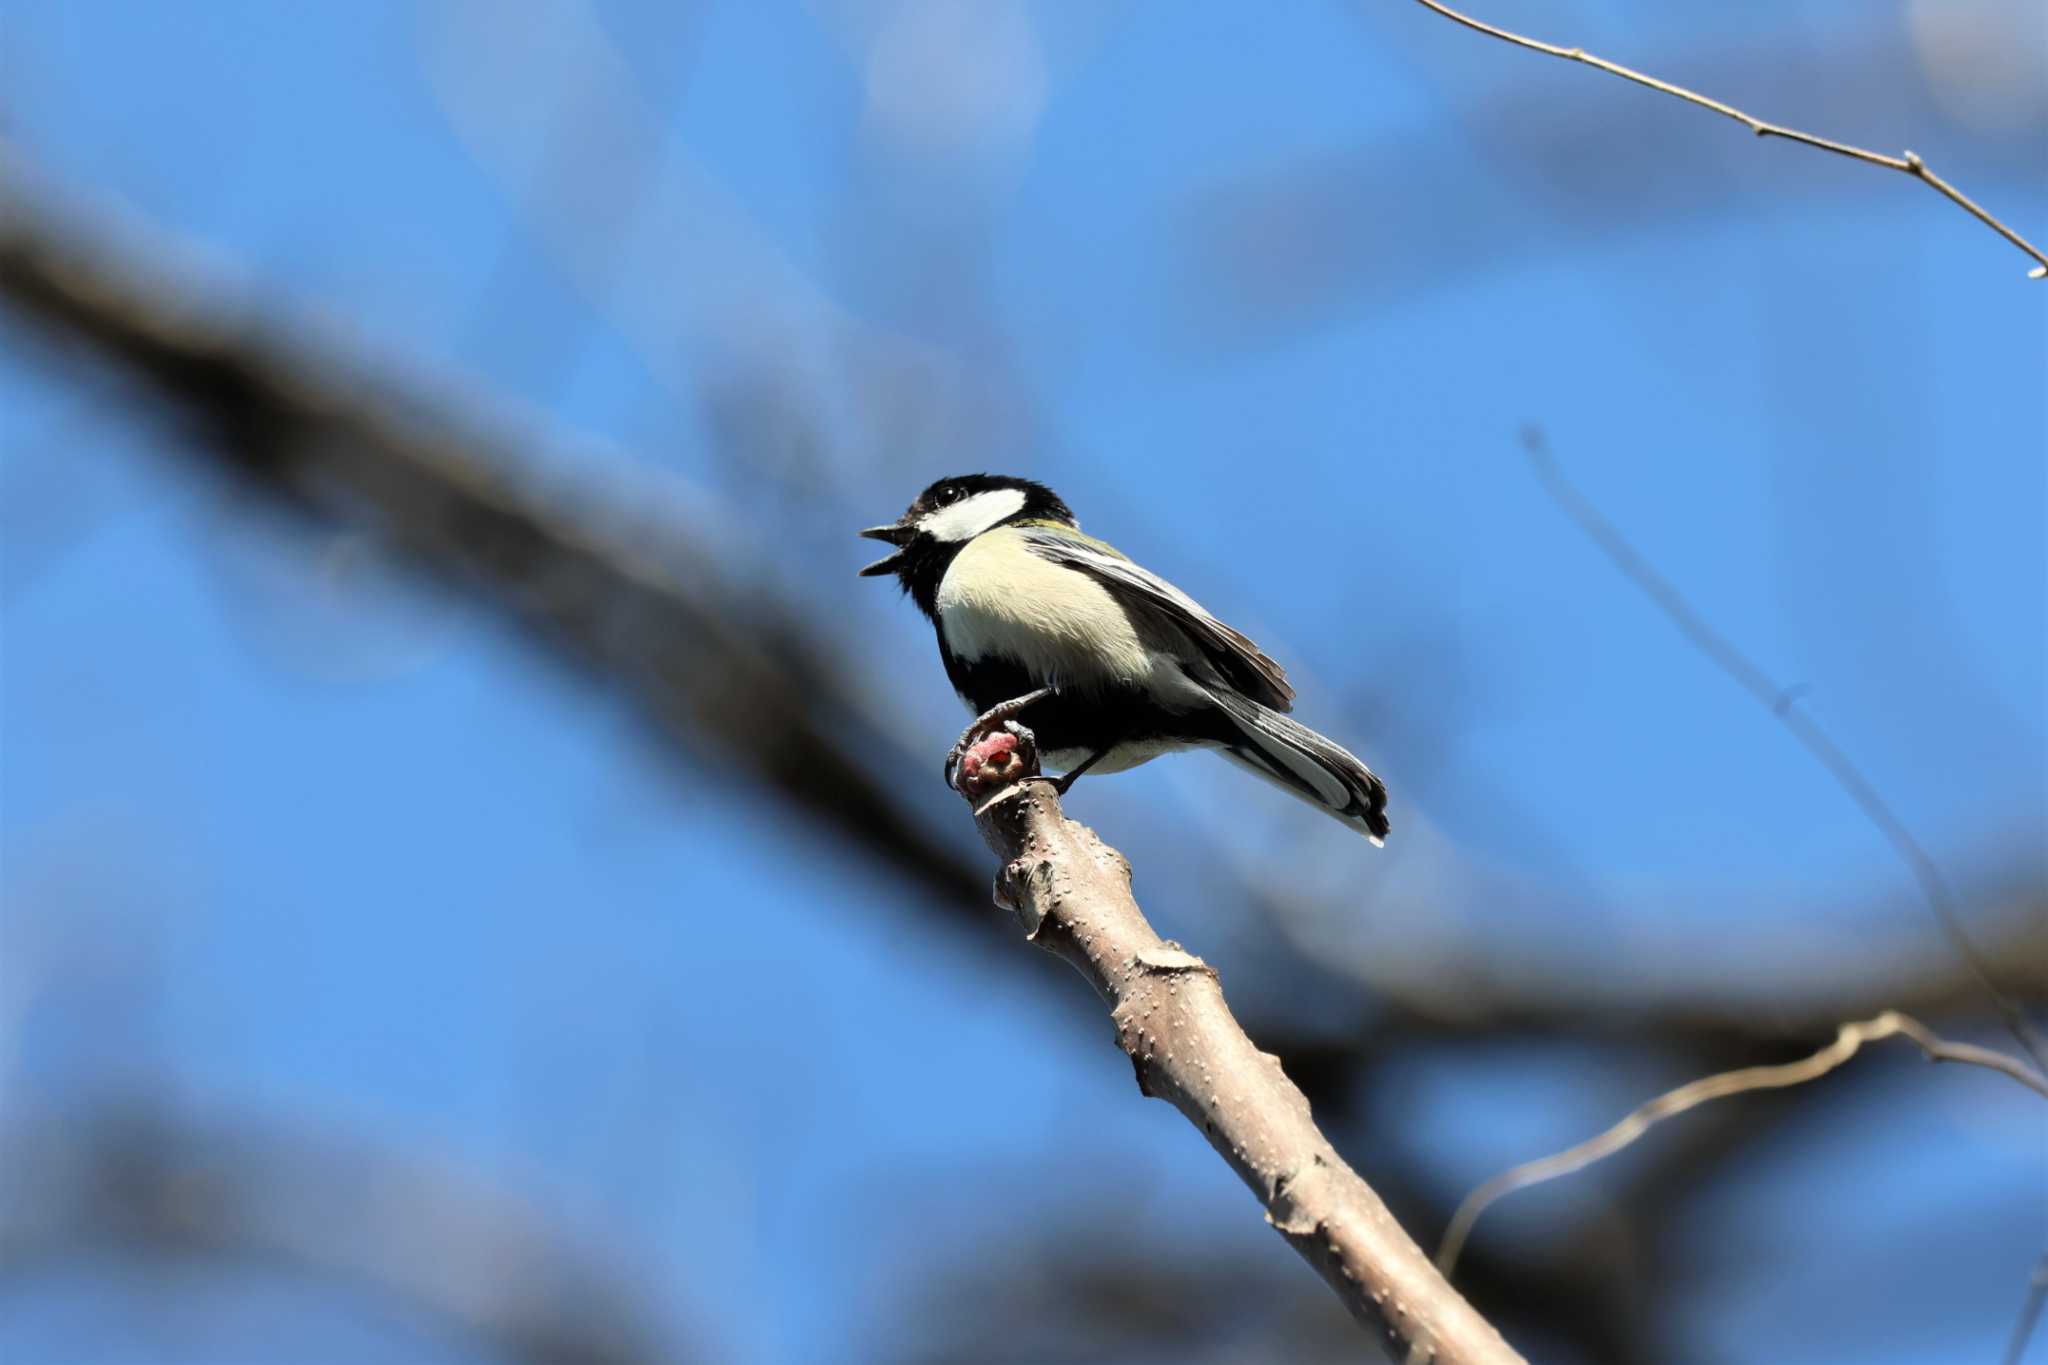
(1071, 893)
(1905, 162)
(1849, 1040)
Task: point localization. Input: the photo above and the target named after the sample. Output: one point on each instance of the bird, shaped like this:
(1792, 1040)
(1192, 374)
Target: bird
(1107, 664)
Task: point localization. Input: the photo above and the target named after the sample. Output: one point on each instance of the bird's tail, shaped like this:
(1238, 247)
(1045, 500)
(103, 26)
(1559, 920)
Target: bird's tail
(1297, 759)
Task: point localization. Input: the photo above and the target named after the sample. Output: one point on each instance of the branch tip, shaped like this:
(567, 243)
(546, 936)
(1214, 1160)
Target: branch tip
(996, 761)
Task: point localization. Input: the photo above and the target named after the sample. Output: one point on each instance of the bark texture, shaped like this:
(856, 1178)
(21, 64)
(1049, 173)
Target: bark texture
(1071, 894)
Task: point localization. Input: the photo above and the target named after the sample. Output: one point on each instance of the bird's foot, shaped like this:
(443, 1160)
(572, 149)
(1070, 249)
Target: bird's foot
(990, 760)
(995, 720)
(1072, 775)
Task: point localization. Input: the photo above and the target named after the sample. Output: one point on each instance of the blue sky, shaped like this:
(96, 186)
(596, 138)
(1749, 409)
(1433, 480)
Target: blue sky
(1267, 294)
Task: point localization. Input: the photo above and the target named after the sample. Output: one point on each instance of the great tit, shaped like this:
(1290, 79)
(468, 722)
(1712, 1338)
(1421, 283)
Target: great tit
(1107, 664)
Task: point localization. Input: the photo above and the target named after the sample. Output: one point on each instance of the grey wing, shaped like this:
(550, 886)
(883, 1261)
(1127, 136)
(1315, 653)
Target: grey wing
(1147, 596)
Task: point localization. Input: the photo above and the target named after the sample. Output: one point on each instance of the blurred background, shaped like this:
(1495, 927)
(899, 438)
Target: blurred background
(476, 883)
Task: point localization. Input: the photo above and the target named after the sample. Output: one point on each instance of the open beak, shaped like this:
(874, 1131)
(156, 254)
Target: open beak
(898, 535)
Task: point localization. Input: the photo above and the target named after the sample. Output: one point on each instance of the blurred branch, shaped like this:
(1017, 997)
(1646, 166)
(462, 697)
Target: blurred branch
(707, 656)
(1476, 994)
(1782, 703)
(465, 1261)
(1848, 1041)
(2030, 1313)
(1071, 893)
(1906, 162)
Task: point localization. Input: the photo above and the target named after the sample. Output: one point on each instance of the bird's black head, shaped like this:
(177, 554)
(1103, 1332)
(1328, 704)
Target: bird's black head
(949, 514)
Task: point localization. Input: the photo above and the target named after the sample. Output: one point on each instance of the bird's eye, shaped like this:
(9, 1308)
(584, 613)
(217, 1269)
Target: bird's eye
(949, 494)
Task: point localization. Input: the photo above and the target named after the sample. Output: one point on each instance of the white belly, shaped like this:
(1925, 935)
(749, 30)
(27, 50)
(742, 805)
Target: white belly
(1122, 758)
(998, 598)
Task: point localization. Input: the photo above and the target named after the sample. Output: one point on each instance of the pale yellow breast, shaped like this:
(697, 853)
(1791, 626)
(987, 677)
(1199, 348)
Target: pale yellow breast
(1063, 626)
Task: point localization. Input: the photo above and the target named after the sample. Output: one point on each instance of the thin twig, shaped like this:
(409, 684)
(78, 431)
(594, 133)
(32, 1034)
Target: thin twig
(1906, 162)
(1782, 704)
(1071, 895)
(1848, 1041)
(2030, 1313)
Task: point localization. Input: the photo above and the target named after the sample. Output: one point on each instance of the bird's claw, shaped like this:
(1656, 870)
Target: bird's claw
(991, 755)
(998, 721)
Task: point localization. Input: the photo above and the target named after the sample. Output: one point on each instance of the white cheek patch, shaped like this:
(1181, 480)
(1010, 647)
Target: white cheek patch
(969, 517)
